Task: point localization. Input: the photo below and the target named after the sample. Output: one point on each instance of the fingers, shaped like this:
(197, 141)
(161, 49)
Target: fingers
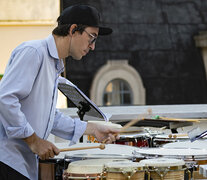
(112, 137)
(56, 150)
(43, 148)
(49, 151)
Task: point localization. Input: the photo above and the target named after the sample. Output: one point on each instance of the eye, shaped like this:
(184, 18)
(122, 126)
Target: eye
(93, 40)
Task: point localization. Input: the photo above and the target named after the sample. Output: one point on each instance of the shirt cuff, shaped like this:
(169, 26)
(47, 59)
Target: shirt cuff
(80, 128)
(20, 132)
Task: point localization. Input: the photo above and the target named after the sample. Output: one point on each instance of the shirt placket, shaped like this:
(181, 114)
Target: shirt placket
(59, 70)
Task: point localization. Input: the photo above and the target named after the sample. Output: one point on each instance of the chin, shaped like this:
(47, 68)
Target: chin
(77, 58)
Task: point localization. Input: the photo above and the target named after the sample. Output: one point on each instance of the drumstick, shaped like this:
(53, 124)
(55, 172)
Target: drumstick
(101, 146)
(132, 122)
(176, 119)
(176, 135)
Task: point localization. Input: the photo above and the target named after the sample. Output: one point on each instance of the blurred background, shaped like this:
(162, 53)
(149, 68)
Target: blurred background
(157, 54)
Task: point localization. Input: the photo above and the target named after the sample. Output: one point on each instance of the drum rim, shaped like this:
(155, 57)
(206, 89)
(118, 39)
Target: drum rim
(99, 156)
(149, 152)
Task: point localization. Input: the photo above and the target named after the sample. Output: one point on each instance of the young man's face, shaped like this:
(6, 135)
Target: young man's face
(81, 44)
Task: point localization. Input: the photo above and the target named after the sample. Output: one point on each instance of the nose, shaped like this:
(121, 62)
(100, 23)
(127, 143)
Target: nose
(92, 46)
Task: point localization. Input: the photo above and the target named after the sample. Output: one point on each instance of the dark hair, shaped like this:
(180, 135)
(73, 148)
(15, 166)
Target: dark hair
(62, 30)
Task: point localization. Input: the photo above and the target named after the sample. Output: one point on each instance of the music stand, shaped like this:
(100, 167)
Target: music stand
(80, 100)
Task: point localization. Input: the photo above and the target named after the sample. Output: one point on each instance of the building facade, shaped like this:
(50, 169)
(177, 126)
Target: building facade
(154, 39)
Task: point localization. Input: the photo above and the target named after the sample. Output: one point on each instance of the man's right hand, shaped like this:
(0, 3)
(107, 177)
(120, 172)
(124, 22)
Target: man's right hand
(43, 148)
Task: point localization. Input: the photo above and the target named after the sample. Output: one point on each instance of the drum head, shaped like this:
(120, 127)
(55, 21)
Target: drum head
(183, 153)
(162, 162)
(114, 151)
(89, 166)
(199, 144)
(126, 166)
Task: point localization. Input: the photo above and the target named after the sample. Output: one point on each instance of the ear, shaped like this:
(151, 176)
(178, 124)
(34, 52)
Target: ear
(73, 28)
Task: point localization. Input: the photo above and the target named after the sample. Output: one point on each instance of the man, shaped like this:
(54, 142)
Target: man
(28, 94)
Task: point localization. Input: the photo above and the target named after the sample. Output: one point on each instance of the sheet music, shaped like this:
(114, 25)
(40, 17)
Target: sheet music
(76, 96)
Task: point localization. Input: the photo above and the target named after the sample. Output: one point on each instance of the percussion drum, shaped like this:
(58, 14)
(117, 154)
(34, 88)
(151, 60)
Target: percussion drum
(138, 140)
(111, 151)
(187, 154)
(198, 144)
(194, 165)
(53, 168)
(162, 139)
(87, 169)
(164, 169)
(193, 157)
(124, 170)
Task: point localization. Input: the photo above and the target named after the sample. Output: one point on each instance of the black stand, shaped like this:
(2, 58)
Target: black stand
(82, 109)
(80, 100)
(174, 131)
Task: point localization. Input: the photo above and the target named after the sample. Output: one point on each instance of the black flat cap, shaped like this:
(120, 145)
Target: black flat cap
(85, 15)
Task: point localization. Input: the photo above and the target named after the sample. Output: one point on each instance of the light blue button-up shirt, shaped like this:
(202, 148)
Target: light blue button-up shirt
(28, 96)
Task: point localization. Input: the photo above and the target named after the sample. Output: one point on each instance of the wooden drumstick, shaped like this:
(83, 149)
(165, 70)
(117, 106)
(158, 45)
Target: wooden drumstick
(176, 135)
(132, 122)
(101, 146)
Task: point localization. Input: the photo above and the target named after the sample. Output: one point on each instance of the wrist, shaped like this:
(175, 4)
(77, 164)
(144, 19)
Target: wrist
(31, 139)
(90, 129)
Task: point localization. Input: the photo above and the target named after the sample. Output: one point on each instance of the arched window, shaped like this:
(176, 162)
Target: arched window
(117, 92)
(123, 79)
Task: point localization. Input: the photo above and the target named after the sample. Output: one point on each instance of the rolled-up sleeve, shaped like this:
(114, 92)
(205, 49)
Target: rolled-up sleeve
(67, 127)
(16, 85)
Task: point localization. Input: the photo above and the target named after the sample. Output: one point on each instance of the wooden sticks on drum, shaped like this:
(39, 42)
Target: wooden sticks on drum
(132, 122)
(101, 146)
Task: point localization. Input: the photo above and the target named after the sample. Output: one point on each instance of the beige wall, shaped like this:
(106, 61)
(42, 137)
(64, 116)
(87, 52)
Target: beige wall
(11, 36)
(21, 21)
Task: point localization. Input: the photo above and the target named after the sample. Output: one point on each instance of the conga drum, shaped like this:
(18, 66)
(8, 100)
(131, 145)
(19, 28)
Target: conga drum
(165, 168)
(124, 170)
(193, 157)
(87, 169)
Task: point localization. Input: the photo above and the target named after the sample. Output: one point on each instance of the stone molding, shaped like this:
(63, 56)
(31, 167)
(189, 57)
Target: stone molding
(117, 69)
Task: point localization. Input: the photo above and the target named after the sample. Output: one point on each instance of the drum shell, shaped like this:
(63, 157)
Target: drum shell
(52, 169)
(120, 176)
(137, 140)
(195, 161)
(164, 168)
(88, 169)
(128, 170)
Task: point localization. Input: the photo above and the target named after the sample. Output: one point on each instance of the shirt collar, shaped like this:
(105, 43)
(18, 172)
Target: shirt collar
(53, 52)
(52, 46)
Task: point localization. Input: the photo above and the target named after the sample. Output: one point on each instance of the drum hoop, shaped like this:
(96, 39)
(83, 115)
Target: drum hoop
(184, 157)
(187, 157)
(118, 170)
(170, 168)
(99, 156)
(84, 176)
